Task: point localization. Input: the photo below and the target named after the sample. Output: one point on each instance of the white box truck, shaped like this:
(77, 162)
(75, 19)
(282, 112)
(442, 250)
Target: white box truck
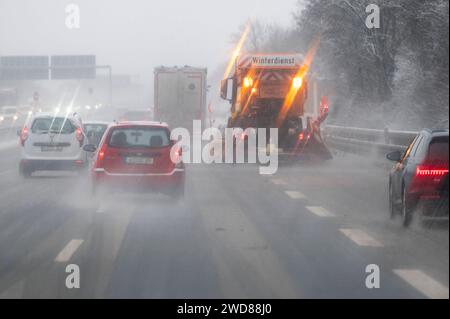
(180, 95)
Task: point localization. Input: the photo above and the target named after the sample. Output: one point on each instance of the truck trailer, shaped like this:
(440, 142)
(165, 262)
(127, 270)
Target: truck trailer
(180, 95)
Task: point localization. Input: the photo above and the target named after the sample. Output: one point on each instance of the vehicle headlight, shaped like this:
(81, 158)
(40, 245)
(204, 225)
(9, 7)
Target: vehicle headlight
(1, 118)
(297, 82)
(15, 117)
(248, 82)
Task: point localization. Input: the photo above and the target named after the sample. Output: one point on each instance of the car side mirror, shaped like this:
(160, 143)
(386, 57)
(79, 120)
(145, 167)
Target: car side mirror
(395, 156)
(226, 89)
(91, 148)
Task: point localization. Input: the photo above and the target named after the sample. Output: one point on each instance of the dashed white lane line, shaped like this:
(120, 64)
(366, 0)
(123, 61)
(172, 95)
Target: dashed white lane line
(295, 194)
(360, 237)
(101, 209)
(423, 283)
(278, 182)
(69, 250)
(6, 172)
(320, 211)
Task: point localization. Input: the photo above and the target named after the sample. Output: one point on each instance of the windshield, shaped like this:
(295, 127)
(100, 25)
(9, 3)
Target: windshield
(139, 137)
(9, 110)
(95, 128)
(53, 125)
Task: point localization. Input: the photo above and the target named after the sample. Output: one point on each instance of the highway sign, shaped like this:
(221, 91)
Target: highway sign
(24, 68)
(73, 67)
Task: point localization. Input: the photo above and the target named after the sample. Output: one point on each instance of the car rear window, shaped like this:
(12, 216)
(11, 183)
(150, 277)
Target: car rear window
(97, 128)
(9, 110)
(438, 150)
(56, 125)
(139, 137)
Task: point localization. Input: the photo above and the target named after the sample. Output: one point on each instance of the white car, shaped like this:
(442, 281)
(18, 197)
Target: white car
(52, 142)
(9, 114)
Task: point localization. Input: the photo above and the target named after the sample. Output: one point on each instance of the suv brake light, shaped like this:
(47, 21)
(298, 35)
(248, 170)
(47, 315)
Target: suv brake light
(24, 135)
(100, 156)
(430, 171)
(79, 135)
(428, 179)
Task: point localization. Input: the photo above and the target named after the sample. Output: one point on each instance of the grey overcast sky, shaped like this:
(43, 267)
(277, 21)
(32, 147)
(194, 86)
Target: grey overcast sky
(134, 35)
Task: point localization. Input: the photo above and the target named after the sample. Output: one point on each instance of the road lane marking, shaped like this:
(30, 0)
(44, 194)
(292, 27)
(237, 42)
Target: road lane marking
(279, 182)
(69, 250)
(295, 194)
(320, 211)
(14, 292)
(360, 238)
(423, 283)
(6, 172)
(101, 209)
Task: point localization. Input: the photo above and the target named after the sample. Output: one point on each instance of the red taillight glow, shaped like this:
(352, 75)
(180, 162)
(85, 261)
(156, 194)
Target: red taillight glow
(24, 135)
(101, 156)
(432, 172)
(79, 135)
(301, 136)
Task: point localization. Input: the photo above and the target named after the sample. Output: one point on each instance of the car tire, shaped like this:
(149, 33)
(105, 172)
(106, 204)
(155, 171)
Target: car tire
(406, 210)
(25, 172)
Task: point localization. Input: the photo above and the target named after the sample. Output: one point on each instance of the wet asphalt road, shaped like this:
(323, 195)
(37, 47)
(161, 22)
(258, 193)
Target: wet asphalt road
(309, 231)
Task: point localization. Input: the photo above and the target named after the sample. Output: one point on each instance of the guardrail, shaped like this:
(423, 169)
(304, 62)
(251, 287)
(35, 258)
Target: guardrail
(363, 140)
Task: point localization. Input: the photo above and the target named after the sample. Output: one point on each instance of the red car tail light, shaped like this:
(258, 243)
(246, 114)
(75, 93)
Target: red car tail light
(24, 135)
(101, 156)
(428, 179)
(430, 171)
(79, 135)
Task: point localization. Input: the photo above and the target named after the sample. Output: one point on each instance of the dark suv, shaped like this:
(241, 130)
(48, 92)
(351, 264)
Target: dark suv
(419, 179)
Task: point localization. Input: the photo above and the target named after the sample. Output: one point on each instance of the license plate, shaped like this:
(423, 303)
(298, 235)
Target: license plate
(51, 148)
(139, 160)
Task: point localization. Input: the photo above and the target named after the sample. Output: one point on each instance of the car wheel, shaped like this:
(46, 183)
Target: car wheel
(406, 210)
(25, 172)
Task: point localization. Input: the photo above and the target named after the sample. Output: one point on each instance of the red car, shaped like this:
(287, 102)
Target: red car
(136, 155)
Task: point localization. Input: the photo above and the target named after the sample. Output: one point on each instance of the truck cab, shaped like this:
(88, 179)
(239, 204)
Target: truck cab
(268, 90)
